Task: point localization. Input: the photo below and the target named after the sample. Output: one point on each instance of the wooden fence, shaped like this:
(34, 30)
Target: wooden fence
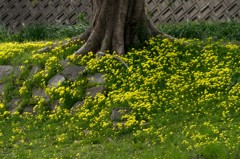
(17, 13)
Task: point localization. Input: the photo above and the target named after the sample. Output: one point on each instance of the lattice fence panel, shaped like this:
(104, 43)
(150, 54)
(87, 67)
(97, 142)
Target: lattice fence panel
(16, 13)
(193, 10)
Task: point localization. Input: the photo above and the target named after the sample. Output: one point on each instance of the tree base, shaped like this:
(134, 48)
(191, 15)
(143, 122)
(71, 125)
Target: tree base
(117, 25)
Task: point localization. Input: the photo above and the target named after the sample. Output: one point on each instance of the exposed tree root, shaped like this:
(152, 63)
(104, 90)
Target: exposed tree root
(115, 26)
(118, 27)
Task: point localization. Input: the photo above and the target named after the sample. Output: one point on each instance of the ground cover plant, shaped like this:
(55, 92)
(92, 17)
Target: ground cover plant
(43, 31)
(229, 31)
(182, 99)
(38, 32)
(190, 30)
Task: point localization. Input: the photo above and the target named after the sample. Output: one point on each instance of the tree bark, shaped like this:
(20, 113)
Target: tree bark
(116, 25)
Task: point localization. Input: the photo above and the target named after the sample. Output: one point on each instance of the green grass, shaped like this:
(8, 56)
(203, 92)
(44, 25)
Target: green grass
(184, 98)
(48, 32)
(228, 31)
(39, 32)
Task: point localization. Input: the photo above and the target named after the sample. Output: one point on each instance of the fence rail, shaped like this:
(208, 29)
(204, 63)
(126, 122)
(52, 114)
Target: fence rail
(17, 13)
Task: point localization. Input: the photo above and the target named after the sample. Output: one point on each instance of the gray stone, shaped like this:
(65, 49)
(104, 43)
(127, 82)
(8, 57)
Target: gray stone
(117, 113)
(33, 71)
(5, 70)
(97, 78)
(72, 72)
(54, 105)
(28, 109)
(14, 110)
(17, 71)
(93, 91)
(13, 105)
(1, 89)
(38, 92)
(76, 106)
(56, 81)
(48, 48)
(65, 63)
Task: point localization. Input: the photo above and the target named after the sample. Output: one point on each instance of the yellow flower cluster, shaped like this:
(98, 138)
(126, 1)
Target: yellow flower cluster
(9, 52)
(179, 82)
(183, 91)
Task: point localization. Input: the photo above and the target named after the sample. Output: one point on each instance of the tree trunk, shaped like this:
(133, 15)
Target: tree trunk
(116, 25)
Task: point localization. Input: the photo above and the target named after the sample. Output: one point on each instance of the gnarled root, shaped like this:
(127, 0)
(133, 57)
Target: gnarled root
(116, 25)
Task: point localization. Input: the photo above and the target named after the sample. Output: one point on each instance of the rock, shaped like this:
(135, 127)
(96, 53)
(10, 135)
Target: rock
(1, 89)
(17, 71)
(85, 132)
(14, 110)
(77, 105)
(117, 113)
(13, 105)
(38, 92)
(97, 78)
(72, 72)
(5, 70)
(48, 48)
(56, 81)
(65, 63)
(28, 109)
(93, 91)
(54, 105)
(33, 71)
